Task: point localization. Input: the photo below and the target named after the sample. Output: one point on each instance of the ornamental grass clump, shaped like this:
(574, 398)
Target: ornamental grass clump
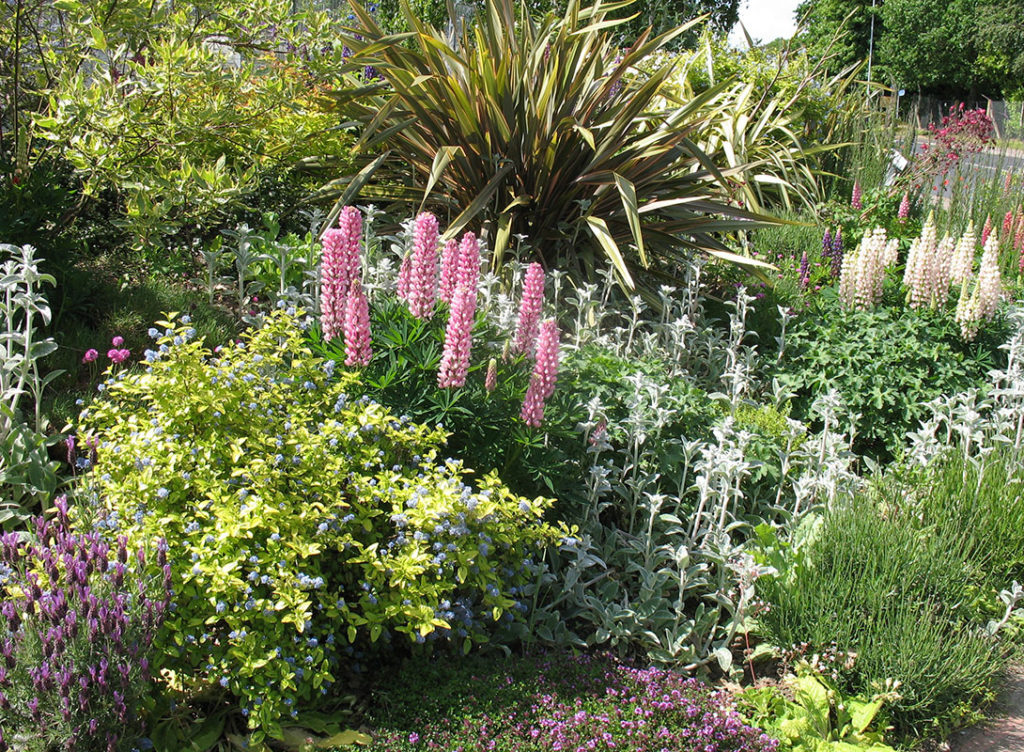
(560, 702)
(77, 622)
(307, 523)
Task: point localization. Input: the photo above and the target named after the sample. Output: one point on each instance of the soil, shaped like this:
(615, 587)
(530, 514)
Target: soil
(1003, 731)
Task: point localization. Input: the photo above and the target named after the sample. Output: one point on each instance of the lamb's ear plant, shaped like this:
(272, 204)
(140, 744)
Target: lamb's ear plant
(27, 475)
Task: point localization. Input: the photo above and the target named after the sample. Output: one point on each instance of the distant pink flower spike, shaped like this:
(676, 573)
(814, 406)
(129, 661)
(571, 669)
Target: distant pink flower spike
(339, 266)
(545, 373)
(1008, 223)
(449, 271)
(357, 327)
(986, 230)
(857, 200)
(404, 274)
(530, 308)
(469, 261)
(423, 274)
(458, 339)
(904, 211)
(491, 380)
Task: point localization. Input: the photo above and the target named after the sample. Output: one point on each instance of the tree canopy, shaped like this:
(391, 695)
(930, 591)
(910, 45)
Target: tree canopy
(945, 47)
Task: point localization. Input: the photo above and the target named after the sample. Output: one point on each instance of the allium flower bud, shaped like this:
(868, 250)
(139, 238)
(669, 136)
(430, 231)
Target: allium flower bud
(90, 355)
(530, 308)
(423, 271)
(545, 372)
(357, 327)
(458, 339)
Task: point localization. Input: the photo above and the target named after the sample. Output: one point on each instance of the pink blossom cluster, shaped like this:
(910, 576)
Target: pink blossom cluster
(545, 373)
(863, 271)
(118, 353)
(530, 309)
(357, 327)
(422, 274)
(857, 200)
(961, 132)
(903, 212)
(458, 339)
(339, 267)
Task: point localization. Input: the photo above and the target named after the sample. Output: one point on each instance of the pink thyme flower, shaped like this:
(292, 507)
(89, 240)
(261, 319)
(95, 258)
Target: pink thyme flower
(530, 308)
(458, 339)
(404, 273)
(117, 341)
(449, 271)
(545, 372)
(118, 356)
(491, 380)
(423, 272)
(856, 201)
(339, 265)
(904, 211)
(90, 355)
(357, 327)
(469, 261)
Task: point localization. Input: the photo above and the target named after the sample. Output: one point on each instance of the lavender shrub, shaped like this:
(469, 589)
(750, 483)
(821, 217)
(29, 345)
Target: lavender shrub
(76, 626)
(561, 702)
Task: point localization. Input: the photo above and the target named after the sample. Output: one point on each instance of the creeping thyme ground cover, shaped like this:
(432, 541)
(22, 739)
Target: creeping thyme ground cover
(556, 702)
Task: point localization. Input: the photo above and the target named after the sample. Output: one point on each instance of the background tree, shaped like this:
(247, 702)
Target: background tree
(1001, 47)
(660, 15)
(823, 20)
(930, 45)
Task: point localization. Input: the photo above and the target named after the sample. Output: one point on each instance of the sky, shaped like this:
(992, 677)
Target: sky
(765, 20)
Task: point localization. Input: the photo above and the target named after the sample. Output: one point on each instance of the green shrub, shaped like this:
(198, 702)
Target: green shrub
(303, 521)
(877, 581)
(886, 363)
